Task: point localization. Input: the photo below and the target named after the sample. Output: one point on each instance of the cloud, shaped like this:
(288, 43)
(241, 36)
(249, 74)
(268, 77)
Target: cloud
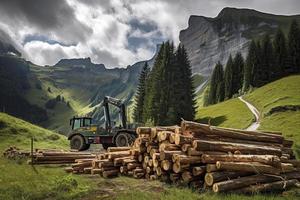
(113, 32)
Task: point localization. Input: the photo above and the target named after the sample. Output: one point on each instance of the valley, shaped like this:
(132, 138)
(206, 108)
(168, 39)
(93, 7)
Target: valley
(38, 101)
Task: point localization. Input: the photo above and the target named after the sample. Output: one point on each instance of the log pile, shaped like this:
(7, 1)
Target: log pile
(202, 156)
(60, 157)
(15, 153)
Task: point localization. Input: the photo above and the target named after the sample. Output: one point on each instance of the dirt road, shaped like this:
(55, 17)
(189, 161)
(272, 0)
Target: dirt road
(254, 126)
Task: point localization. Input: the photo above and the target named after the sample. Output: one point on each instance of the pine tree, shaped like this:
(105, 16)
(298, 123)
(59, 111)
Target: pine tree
(152, 96)
(184, 91)
(238, 71)
(251, 62)
(257, 69)
(280, 55)
(228, 78)
(294, 46)
(267, 60)
(216, 92)
(140, 94)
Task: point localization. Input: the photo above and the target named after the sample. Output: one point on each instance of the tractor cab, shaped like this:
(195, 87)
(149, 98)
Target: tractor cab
(77, 122)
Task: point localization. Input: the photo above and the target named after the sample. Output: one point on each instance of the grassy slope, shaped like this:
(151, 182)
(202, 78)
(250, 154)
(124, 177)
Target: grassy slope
(21, 181)
(231, 113)
(18, 180)
(285, 91)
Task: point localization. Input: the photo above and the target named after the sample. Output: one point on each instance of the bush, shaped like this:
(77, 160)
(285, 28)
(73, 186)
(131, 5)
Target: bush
(65, 184)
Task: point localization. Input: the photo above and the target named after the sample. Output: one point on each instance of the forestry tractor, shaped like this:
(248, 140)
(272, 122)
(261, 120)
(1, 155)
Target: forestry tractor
(83, 132)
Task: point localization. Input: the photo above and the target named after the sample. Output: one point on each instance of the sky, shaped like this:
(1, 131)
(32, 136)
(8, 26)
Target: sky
(116, 33)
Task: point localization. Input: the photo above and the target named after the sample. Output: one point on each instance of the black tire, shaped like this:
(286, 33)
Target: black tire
(87, 146)
(122, 140)
(78, 143)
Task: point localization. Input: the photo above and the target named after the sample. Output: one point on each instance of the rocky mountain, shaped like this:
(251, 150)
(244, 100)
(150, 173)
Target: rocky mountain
(209, 40)
(30, 91)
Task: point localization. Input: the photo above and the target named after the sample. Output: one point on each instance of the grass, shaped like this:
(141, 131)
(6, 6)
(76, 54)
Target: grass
(285, 91)
(231, 113)
(19, 180)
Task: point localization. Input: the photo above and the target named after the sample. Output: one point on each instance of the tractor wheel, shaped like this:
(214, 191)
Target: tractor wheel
(77, 142)
(122, 140)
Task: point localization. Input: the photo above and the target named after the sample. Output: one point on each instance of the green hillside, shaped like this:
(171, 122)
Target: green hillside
(231, 113)
(278, 103)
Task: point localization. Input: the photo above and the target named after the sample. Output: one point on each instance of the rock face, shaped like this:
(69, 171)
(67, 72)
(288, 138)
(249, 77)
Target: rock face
(209, 40)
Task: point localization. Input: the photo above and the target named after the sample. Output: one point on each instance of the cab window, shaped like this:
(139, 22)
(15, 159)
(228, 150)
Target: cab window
(87, 122)
(76, 123)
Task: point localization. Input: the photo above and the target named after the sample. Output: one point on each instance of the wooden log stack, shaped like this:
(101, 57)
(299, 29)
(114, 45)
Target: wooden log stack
(49, 156)
(203, 156)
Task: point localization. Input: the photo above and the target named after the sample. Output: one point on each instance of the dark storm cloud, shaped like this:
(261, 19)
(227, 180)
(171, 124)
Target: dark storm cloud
(45, 15)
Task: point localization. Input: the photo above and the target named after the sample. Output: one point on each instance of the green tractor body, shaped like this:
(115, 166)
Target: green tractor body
(83, 132)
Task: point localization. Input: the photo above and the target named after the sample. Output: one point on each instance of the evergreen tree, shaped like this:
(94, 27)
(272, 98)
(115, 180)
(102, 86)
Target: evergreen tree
(184, 91)
(153, 83)
(228, 78)
(257, 69)
(169, 89)
(294, 46)
(140, 94)
(251, 62)
(216, 92)
(238, 73)
(280, 55)
(266, 59)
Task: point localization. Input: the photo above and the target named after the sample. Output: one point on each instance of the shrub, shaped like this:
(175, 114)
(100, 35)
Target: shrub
(65, 184)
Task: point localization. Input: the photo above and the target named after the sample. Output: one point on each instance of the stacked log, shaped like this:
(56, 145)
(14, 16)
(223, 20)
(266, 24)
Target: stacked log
(60, 157)
(15, 153)
(203, 156)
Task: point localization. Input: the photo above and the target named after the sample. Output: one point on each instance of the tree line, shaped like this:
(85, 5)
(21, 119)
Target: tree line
(165, 94)
(267, 60)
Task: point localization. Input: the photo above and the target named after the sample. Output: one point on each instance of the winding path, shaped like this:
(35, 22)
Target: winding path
(254, 126)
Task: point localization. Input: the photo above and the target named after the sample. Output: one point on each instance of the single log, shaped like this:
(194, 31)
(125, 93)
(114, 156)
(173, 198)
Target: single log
(172, 138)
(169, 147)
(114, 149)
(106, 164)
(96, 171)
(167, 155)
(214, 177)
(163, 135)
(153, 151)
(212, 168)
(188, 159)
(199, 170)
(150, 162)
(123, 169)
(140, 158)
(139, 175)
(62, 158)
(193, 152)
(158, 171)
(156, 156)
(119, 161)
(182, 139)
(87, 170)
(149, 170)
(110, 173)
(128, 160)
(243, 182)
(155, 130)
(166, 165)
(247, 167)
(265, 159)
(153, 177)
(287, 167)
(185, 147)
(187, 177)
(131, 166)
(143, 130)
(177, 168)
(269, 187)
(202, 145)
(120, 154)
(155, 163)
